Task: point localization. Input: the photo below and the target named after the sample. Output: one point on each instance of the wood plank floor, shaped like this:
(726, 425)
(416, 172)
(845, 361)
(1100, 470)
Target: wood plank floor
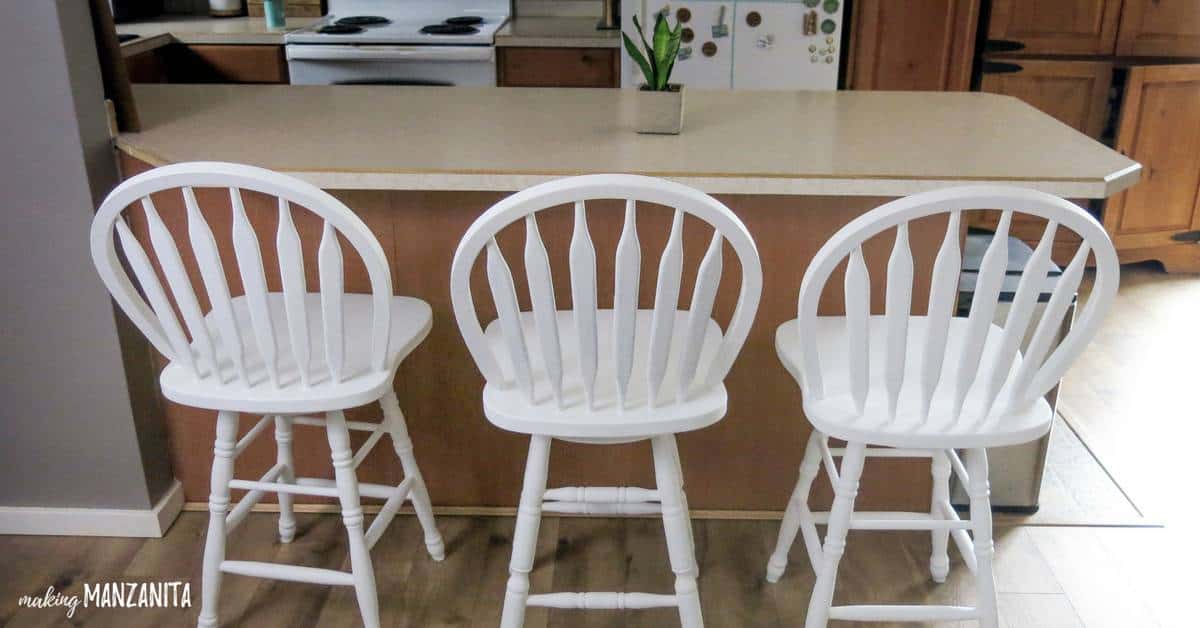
(1051, 576)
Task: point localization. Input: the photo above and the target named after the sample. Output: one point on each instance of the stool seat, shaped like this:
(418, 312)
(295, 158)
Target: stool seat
(835, 415)
(411, 320)
(511, 408)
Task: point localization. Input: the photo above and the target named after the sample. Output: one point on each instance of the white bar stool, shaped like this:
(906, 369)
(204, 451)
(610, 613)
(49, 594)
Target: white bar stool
(284, 355)
(600, 376)
(901, 385)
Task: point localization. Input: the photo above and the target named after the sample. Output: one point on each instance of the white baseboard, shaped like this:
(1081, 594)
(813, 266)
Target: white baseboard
(151, 523)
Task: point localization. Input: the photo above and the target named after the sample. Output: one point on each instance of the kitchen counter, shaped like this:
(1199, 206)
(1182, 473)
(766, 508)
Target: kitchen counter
(421, 138)
(187, 29)
(556, 32)
(420, 164)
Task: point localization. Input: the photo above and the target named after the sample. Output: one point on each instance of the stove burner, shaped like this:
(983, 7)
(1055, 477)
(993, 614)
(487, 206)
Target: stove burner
(339, 29)
(362, 20)
(449, 29)
(465, 20)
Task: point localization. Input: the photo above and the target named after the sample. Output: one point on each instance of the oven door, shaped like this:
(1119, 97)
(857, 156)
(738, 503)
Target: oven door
(391, 65)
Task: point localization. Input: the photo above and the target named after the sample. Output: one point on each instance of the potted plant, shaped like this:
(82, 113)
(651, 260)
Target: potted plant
(660, 102)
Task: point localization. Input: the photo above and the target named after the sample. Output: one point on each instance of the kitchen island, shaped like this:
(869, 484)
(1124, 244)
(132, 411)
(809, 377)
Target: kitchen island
(419, 164)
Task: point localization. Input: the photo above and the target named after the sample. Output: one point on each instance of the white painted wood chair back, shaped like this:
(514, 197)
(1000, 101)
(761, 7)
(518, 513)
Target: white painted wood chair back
(230, 359)
(925, 386)
(637, 374)
(693, 370)
(217, 353)
(978, 389)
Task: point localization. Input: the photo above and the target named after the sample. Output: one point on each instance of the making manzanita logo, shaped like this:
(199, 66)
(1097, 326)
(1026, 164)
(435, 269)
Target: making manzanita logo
(169, 594)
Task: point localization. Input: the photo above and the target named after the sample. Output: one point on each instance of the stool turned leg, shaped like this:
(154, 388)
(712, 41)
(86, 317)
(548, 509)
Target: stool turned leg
(981, 534)
(218, 506)
(683, 493)
(835, 535)
(676, 524)
(419, 495)
(797, 514)
(352, 516)
(283, 457)
(529, 519)
(939, 560)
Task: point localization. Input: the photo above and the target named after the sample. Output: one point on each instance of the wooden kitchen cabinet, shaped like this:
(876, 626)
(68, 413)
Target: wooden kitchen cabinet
(1159, 28)
(1069, 27)
(915, 45)
(1075, 93)
(1158, 218)
(210, 63)
(557, 67)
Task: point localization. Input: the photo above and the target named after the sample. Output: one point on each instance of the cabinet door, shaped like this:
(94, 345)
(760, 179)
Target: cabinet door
(557, 67)
(1158, 128)
(1055, 26)
(924, 45)
(1167, 28)
(1074, 92)
(221, 63)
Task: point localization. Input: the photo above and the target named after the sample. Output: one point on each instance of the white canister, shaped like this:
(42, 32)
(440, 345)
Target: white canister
(224, 8)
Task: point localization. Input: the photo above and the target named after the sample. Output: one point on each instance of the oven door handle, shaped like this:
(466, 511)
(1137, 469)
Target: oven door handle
(388, 53)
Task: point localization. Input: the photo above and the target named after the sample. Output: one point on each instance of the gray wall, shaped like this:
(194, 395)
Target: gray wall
(68, 436)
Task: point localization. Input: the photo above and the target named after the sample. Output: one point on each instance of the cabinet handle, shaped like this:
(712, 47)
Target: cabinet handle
(1002, 45)
(1187, 236)
(998, 67)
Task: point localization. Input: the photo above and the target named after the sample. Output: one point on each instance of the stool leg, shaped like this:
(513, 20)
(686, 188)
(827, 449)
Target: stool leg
(676, 524)
(529, 519)
(835, 535)
(939, 560)
(218, 505)
(797, 514)
(683, 493)
(419, 495)
(352, 516)
(981, 533)
(283, 456)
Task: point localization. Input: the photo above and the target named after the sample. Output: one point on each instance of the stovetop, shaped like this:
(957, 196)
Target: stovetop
(407, 22)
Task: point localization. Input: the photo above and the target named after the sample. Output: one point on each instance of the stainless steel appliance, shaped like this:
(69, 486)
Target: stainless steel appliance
(399, 42)
(740, 44)
(1015, 472)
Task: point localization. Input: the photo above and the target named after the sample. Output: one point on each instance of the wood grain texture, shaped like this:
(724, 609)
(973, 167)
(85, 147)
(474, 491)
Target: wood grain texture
(1154, 28)
(917, 45)
(1059, 27)
(1158, 128)
(440, 390)
(557, 67)
(225, 63)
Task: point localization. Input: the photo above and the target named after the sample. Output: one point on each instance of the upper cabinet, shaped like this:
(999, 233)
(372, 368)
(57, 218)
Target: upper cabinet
(912, 45)
(1070, 27)
(1160, 28)
(1159, 218)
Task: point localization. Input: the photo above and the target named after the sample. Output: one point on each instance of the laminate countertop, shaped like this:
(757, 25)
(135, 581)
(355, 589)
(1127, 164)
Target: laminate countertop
(733, 142)
(556, 32)
(200, 29)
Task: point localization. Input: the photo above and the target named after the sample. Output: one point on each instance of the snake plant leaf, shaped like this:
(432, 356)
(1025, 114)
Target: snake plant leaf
(640, 59)
(672, 55)
(651, 79)
(662, 45)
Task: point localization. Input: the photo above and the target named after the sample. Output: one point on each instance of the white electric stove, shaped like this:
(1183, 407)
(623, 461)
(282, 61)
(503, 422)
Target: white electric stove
(399, 42)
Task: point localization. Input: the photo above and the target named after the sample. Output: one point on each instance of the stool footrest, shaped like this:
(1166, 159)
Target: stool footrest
(890, 520)
(292, 573)
(884, 612)
(603, 600)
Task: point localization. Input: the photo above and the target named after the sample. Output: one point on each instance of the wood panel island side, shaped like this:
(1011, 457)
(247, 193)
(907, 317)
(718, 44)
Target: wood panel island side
(419, 164)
